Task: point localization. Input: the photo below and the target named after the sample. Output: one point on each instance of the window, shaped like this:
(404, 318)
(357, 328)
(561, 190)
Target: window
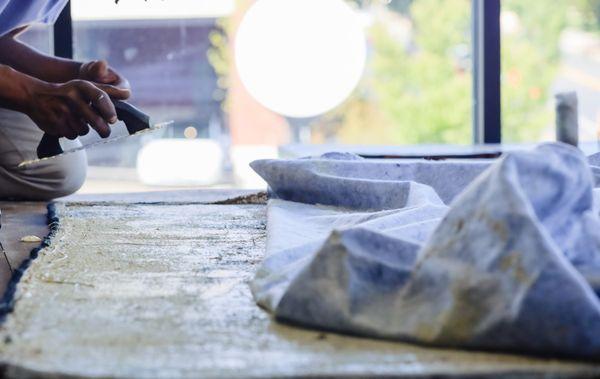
(415, 87)
(161, 47)
(38, 36)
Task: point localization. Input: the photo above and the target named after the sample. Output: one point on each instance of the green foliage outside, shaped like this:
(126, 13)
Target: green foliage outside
(530, 62)
(590, 16)
(419, 91)
(424, 89)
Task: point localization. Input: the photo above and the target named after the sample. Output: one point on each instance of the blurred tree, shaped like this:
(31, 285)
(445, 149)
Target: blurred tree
(220, 52)
(530, 62)
(591, 13)
(219, 56)
(416, 90)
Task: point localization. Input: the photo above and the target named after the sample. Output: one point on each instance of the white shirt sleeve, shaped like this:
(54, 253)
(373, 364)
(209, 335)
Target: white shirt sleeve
(17, 13)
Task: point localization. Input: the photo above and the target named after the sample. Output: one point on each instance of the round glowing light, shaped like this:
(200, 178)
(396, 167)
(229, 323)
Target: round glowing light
(190, 132)
(300, 58)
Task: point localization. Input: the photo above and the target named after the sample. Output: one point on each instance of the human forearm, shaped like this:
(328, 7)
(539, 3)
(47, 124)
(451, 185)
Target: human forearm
(29, 61)
(16, 89)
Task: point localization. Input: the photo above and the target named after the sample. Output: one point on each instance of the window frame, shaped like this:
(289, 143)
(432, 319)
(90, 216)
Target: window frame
(63, 34)
(487, 123)
(485, 35)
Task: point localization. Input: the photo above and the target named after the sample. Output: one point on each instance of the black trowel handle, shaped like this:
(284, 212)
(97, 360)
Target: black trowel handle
(49, 146)
(134, 119)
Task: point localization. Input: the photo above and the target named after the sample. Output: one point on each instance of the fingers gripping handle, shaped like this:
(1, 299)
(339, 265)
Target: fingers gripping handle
(135, 120)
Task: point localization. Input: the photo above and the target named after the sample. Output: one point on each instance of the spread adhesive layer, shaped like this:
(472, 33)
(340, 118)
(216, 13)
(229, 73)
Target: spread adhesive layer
(162, 291)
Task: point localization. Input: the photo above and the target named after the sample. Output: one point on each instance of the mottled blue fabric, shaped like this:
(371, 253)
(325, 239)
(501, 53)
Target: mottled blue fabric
(17, 13)
(495, 255)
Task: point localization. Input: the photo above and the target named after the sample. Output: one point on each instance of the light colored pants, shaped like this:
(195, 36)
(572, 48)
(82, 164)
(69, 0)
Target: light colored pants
(19, 138)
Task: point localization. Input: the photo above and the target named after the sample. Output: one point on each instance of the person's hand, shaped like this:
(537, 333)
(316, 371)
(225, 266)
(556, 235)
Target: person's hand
(100, 72)
(66, 110)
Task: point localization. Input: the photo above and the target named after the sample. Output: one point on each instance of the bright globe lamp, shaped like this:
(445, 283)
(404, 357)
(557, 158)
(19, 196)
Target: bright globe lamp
(300, 58)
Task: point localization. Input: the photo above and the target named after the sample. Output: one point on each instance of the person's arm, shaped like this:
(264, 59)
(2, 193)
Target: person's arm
(28, 60)
(63, 110)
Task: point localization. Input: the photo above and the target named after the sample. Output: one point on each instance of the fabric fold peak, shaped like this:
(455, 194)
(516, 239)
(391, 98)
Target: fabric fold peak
(371, 247)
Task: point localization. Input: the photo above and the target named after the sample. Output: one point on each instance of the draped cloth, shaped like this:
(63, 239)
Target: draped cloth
(486, 254)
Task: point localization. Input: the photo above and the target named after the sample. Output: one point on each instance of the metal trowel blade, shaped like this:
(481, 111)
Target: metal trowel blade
(97, 143)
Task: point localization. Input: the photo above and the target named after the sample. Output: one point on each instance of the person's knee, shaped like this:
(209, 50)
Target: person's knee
(47, 180)
(63, 175)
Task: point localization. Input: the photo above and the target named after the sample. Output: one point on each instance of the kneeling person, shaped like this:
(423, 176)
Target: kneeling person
(41, 93)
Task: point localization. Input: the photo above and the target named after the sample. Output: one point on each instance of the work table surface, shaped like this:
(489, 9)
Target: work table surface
(157, 286)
